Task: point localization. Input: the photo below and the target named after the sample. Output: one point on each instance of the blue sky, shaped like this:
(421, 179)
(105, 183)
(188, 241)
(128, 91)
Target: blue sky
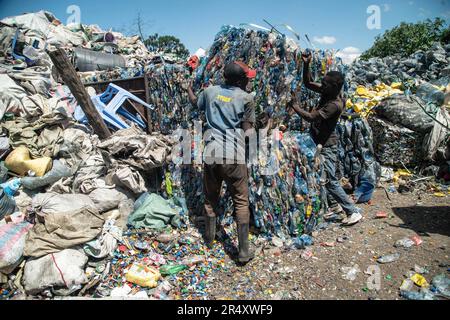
(333, 24)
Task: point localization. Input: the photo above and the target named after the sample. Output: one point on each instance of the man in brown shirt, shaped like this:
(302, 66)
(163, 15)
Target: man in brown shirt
(324, 119)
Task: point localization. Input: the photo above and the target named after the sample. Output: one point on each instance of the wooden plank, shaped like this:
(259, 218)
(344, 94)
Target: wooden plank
(148, 111)
(70, 77)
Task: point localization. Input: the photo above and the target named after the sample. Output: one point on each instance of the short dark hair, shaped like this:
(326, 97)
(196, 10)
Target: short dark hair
(336, 79)
(233, 73)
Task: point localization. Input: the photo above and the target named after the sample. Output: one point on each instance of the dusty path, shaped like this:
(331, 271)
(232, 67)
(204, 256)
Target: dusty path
(286, 274)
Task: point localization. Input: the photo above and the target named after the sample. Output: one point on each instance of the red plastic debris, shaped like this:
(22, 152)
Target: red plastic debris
(417, 240)
(381, 215)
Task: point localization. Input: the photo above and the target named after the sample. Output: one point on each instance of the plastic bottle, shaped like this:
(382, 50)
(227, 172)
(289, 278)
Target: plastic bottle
(441, 284)
(423, 295)
(389, 258)
(404, 243)
(11, 187)
(168, 270)
(303, 242)
(192, 260)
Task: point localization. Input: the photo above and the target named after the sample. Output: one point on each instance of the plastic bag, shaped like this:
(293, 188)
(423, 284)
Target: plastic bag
(58, 171)
(62, 269)
(107, 199)
(12, 243)
(154, 213)
(430, 94)
(7, 204)
(403, 111)
(54, 203)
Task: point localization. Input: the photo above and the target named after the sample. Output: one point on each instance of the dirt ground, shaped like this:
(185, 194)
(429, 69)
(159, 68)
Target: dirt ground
(281, 274)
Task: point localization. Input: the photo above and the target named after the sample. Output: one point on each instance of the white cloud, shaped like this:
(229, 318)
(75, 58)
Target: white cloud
(424, 12)
(349, 54)
(325, 40)
(386, 7)
(411, 3)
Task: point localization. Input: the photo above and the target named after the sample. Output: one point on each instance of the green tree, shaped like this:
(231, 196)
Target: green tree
(166, 44)
(408, 38)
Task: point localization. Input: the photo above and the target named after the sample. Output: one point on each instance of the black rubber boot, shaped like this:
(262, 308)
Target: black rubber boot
(245, 254)
(210, 231)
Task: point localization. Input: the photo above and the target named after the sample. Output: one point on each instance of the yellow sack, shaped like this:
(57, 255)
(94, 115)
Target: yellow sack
(20, 162)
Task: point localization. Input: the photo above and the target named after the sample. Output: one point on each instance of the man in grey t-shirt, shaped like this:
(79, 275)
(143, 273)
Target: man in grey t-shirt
(230, 112)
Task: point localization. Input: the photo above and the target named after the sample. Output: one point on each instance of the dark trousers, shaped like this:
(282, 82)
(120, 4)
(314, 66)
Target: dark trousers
(236, 178)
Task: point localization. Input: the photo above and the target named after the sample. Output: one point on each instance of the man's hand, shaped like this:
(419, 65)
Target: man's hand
(294, 107)
(192, 97)
(307, 58)
(187, 85)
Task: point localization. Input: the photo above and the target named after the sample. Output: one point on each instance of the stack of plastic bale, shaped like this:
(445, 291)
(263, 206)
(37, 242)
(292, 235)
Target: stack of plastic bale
(402, 98)
(279, 61)
(167, 84)
(282, 203)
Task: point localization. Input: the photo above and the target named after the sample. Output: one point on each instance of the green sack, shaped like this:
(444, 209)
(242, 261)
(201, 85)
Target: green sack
(155, 213)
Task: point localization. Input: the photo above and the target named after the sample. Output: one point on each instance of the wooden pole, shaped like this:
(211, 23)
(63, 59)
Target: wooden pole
(70, 77)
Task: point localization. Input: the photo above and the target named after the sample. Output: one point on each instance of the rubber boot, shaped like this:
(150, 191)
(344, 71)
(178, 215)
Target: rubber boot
(245, 254)
(210, 231)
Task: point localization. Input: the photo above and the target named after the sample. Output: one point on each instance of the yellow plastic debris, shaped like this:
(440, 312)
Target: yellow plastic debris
(20, 162)
(361, 91)
(439, 194)
(396, 85)
(365, 99)
(419, 280)
(404, 173)
(358, 107)
(143, 276)
(349, 104)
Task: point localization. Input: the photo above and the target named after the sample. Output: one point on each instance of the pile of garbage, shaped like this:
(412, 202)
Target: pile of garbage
(87, 217)
(118, 218)
(406, 105)
(430, 66)
(97, 54)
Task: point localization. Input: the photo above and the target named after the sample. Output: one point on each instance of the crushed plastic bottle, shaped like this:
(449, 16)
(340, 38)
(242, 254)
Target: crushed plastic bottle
(404, 243)
(350, 273)
(389, 258)
(407, 285)
(441, 284)
(422, 295)
(420, 280)
(303, 241)
(192, 260)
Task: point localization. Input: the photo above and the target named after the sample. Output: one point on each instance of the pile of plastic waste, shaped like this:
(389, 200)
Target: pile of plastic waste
(116, 218)
(277, 60)
(404, 100)
(116, 235)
